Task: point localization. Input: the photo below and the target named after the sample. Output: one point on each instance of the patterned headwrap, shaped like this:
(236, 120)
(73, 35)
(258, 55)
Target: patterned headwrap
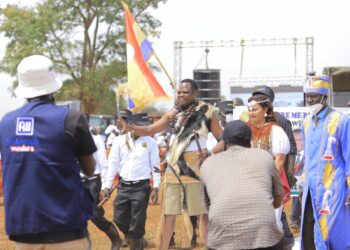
(318, 85)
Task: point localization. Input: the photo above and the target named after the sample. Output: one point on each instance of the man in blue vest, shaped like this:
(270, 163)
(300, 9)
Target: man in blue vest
(43, 149)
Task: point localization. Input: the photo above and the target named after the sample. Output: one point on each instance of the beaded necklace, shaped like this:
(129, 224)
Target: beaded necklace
(180, 119)
(261, 135)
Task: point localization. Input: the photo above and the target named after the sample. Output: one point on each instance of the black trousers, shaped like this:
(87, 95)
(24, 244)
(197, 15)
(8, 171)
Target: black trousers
(296, 211)
(288, 237)
(130, 208)
(94, 186)
(308, 225)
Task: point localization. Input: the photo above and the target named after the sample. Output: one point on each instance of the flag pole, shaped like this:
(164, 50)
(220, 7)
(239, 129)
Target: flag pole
(117, 101)
(166, 72)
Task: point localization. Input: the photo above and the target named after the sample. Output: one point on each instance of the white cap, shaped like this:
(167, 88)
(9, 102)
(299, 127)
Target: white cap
(36, 77)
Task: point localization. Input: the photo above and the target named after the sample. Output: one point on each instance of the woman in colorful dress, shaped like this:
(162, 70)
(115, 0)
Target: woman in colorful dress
(267, 135)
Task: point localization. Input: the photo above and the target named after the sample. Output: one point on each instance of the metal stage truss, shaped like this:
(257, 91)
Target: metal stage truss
(293, 80)
(272, 81)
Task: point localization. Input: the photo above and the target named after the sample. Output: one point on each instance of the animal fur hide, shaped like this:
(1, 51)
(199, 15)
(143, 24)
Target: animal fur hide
(199, 122)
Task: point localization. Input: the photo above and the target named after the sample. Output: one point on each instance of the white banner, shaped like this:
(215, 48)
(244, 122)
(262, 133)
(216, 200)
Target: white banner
(296, 115)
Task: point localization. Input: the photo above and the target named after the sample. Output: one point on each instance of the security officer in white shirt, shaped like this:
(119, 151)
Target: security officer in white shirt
(136, 160)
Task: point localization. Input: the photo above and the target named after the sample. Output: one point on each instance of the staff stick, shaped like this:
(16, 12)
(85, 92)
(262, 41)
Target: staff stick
(103, 201)
(166, 72)
(196, 138)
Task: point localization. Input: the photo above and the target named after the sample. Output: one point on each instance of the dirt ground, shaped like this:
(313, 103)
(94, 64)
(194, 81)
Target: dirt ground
(99, 239)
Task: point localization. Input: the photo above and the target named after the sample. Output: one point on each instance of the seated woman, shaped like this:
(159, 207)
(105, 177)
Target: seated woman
(267, 135)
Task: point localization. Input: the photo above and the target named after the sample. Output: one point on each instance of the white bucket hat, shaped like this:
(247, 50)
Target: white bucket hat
(36, 77)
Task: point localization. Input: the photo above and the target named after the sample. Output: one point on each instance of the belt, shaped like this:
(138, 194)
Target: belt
(85, 178)
(132, 183)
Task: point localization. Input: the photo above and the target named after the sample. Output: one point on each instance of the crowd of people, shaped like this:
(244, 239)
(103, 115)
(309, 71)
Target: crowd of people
(56, 173)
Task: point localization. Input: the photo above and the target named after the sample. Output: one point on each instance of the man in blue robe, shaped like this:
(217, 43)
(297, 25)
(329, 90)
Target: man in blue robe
(326, 209)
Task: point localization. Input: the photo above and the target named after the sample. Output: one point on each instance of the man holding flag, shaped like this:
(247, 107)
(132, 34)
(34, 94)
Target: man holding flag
(189, 116)
(182, 175)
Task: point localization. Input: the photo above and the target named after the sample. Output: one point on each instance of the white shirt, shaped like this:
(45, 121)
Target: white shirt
(280, 142)
(159, 137)
(211, 142)
(300, 154)
(140, 162)
(110, 133)
(110, 129)
(110, 139)
(100, 157)
(192, 146)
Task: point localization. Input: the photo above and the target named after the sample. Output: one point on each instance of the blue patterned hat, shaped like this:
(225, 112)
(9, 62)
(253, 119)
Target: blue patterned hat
(318, 85)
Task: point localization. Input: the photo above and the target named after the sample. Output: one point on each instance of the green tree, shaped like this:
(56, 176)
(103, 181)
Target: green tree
(84, 38)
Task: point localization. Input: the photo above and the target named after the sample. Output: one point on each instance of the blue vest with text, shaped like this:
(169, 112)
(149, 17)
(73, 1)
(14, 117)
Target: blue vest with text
(43, 191)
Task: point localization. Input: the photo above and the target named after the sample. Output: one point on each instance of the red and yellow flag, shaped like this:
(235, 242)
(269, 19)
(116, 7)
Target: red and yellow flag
(143, 87)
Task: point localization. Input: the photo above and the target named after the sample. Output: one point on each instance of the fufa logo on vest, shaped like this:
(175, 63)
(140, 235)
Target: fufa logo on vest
(25, 126)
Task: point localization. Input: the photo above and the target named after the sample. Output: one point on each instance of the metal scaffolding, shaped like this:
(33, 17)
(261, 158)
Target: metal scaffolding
(272, 81)
(307, 41)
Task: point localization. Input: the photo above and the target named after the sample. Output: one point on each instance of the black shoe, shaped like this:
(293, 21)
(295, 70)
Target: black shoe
(288, 243)
(136, 244)
(172, 240)
(113, 235)
(194, 240)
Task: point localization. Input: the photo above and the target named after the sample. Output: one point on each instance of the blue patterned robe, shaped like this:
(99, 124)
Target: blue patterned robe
(327, 177)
